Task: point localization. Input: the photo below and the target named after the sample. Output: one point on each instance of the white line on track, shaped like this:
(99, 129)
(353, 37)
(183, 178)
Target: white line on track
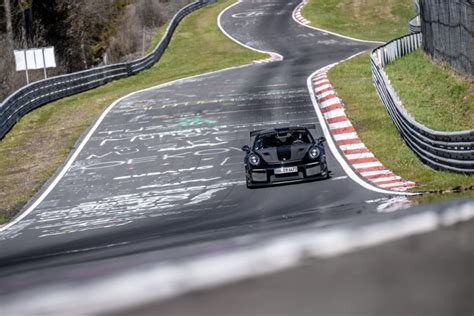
(272, 54)
(159, 281)
(298, 9)
(75, 154)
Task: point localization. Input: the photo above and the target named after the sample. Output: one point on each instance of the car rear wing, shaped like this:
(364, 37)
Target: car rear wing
(308, 126)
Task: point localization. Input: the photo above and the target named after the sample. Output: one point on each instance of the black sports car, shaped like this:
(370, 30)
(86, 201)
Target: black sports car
(282, 155)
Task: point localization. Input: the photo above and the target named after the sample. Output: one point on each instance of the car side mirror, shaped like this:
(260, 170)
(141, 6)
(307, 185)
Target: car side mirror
(246, 148)
(322, 139)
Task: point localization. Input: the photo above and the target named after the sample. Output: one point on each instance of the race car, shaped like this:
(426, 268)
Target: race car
(283, 155)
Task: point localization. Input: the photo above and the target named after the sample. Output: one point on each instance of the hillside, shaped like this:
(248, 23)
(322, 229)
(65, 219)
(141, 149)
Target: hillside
(84, 33)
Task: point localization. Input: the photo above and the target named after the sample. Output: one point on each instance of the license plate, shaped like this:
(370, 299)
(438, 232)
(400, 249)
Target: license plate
(286, 170)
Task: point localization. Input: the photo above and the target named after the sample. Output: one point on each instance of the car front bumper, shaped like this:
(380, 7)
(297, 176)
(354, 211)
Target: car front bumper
(305, 172)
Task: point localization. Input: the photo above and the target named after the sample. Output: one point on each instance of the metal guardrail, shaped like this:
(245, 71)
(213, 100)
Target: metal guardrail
(44, 91)
(441, 150)
(414, 26)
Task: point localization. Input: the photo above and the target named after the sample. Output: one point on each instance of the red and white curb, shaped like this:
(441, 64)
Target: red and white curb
(345, 136)
(273, 58)
(297, 13)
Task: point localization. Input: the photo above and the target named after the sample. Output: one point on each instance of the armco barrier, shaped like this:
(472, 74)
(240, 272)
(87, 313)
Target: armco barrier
(441, 150)
(41, 92)
(414, 26)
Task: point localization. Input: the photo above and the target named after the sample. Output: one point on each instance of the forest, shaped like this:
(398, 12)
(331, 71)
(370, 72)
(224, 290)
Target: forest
(84, 33)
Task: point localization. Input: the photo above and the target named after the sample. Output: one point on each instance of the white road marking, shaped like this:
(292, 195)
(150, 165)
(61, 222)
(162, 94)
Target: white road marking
(219, 24)
(298, 9)
(165, 280)
(79, 149)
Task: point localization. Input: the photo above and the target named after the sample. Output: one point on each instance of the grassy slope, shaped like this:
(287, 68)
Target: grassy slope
(379, 20)
(353, 82)
(443, 102)
(41, 141)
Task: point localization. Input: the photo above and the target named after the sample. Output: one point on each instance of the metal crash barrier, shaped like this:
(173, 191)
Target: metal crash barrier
(452, 151)
(44, 91)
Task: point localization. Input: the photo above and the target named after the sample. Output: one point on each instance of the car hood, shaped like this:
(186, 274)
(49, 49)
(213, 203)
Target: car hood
(284, 153)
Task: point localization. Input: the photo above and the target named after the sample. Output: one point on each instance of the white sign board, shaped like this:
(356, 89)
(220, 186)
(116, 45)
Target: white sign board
(36, 58)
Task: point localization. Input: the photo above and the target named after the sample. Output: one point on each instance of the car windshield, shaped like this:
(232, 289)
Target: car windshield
(286, 138)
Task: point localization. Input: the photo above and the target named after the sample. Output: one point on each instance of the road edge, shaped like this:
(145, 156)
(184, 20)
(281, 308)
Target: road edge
(165, 281)
(273, 55)
(54, 180)
(305, 22)
(330, 137)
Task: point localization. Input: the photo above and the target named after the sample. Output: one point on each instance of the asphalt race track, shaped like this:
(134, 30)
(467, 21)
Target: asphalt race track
(164, 167)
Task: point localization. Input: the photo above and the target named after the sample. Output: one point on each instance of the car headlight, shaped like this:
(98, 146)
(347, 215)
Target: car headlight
(254, 160)
(314, 152)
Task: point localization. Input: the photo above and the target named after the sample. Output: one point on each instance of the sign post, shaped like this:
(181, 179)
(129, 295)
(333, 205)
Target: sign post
(36, 58)
(44, 65)
(26, 67)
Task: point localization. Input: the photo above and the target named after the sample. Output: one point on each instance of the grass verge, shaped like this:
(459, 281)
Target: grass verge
(40, 142)
(433, 94)
(379, 20)
(353, 82)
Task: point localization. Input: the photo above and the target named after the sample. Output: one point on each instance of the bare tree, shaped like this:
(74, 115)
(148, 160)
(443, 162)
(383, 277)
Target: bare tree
(8, 21)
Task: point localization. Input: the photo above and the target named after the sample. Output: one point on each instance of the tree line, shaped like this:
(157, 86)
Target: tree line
(85, 33)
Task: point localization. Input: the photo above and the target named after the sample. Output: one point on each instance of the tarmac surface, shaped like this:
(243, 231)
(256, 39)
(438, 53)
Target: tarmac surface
(430, 274)
(163, 172)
